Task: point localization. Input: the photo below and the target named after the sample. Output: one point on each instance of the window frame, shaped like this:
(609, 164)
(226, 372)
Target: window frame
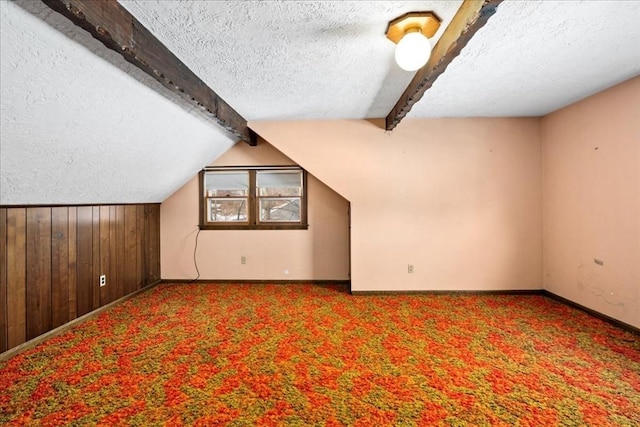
(253, 213)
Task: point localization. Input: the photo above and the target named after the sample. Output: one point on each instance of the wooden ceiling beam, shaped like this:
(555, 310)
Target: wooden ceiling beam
(120, 31)
(471, 16)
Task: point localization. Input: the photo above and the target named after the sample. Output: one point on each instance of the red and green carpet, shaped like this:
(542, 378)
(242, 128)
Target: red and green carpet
(304, 355)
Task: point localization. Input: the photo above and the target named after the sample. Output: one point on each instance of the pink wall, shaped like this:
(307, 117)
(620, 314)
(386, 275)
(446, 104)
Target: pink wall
(319, 253)
(459, 199)
(591, 188)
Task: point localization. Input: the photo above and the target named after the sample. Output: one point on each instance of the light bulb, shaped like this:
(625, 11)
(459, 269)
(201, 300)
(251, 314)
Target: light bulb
(413, 51)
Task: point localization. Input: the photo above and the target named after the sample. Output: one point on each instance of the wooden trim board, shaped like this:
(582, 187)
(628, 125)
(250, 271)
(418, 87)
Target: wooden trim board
(453, 292)
(615, 322)
(260, 282)
(542, 292)
(57, 331)
(61, 329)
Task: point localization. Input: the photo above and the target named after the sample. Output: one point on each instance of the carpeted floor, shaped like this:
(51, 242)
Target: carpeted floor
(305, 355)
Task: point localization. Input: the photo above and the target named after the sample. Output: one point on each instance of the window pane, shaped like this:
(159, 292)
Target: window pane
(284, 210)
(226, 184)
(227, 210)
(279, 183)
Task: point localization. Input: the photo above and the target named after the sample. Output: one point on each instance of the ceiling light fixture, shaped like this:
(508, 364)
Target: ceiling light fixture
(411, 33)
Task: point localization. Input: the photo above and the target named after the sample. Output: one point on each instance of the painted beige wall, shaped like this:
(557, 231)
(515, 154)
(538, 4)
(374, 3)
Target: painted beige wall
(320, 253)
(591, 188)
(459, 199)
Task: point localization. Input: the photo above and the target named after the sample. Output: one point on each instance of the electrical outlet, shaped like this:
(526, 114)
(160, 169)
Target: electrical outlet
(103, 280)
(410, 268)
(243, 259)
(286, 272)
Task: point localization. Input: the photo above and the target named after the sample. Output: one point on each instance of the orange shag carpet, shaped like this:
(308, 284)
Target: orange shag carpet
(305, 355)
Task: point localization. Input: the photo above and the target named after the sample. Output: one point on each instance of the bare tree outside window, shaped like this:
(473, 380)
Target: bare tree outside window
(279, 194)
(253, 198)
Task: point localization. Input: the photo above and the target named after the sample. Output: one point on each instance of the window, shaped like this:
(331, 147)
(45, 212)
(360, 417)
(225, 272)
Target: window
(253, 198)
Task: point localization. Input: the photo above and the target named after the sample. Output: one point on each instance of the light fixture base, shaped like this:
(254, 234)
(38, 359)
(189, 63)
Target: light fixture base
(427, 22)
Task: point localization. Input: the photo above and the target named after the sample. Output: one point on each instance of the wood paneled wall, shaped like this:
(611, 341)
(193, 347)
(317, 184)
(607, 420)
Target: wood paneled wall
(51, 259)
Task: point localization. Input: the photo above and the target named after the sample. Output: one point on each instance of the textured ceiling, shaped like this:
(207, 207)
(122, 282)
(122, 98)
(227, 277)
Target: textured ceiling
(535, 57)
(283, 60)
(274, 60)
(80, 125)
(74, 128)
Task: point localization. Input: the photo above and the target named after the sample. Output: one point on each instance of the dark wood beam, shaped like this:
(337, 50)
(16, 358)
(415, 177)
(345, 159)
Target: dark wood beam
(471, 16)
(120, 31)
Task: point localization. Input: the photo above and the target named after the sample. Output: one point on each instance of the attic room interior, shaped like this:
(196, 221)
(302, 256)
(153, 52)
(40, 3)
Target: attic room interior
(248, 213)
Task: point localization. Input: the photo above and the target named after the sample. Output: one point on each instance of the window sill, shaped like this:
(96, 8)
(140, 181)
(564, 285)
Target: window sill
(256, 227)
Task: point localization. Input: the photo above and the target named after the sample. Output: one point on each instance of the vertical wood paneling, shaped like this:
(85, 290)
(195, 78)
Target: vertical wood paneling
(38, 271)
(73, 264)
(3, 280)
(112, 281)
(51, 259)
(59, 266)
(120, 250)
(95, 263)
(84, 292)
(154, 242)
(141, 265)
(104, 253)
(130, 222)
(16, 276)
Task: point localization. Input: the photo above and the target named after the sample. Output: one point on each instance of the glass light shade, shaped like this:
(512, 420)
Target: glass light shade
(413, 51)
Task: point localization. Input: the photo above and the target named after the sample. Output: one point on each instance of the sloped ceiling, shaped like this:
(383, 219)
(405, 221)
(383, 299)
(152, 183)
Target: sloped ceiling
(290, 59)
(535, 57)
(81, 125)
